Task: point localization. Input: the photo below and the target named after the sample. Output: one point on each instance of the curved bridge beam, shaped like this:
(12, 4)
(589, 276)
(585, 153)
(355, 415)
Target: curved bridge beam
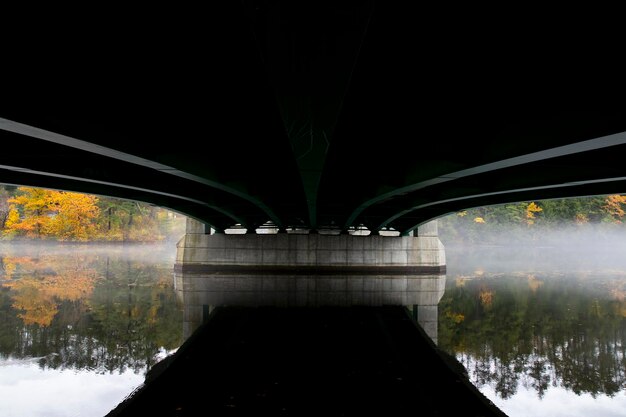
(575, 148)
(27, 130)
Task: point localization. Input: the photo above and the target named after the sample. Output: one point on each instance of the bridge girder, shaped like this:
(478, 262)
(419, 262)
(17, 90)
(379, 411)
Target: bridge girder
(316, 115)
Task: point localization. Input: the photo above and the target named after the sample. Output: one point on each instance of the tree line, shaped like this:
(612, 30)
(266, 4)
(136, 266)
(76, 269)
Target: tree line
(45, 214)
(537, 331)
(81, 310)
(530, 219)
(38, 213)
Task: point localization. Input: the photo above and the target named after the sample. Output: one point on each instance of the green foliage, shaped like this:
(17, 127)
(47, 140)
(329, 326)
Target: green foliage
(538, 331)
(528, 220)
(103, 311)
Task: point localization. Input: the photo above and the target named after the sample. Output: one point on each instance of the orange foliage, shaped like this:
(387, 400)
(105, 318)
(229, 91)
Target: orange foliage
(486, 297)
(75, 216)
(38, 294)
(460, 281)
(531, 209)
(455, 317)
(614, 206)
(581, 218)
(60, 214)
(534, 283)
(37, 307)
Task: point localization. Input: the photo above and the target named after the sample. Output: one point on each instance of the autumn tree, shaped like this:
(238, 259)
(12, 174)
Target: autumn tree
(29, 211)
(614, 206)
(38, 212)
(74, 216)
(531, 209)
(37, 293)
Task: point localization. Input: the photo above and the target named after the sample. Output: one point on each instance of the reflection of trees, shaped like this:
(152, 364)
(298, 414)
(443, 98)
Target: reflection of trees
(135, 312)
(38, 297)
(37, 290)
(88, 312)
(565, 331)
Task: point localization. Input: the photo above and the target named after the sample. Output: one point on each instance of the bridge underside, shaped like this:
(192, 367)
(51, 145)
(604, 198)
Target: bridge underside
(315, 115)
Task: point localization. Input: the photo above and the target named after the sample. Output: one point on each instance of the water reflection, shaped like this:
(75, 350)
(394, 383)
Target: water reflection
(201, 292)
(542, 327)
(95, 311)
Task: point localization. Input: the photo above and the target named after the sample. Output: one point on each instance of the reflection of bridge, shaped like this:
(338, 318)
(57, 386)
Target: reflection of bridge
(315, 116)
(200, 293)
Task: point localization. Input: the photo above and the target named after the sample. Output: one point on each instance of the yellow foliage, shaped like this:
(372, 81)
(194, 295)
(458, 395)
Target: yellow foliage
(455, 317)
(531, 209)
(60, 214)
(462, 213)
(581, 218)
(534, 283)
(35, 309)
(12, 217)
(479, 220)
(486, 297)
(39, 294)
(460, 281)
(614, 205)
(75, 216)
(9, 270)
(11, 264)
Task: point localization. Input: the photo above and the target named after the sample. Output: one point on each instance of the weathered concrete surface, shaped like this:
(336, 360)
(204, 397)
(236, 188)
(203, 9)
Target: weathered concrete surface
(318, 253)
(323, 361)
(201, 292)
(309, 270)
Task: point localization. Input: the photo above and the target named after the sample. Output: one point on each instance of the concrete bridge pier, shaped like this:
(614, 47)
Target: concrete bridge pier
(199, 250)
(305, 270)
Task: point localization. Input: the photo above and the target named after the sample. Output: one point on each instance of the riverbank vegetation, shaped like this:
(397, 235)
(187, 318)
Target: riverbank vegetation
(532, 220)
(44, 214)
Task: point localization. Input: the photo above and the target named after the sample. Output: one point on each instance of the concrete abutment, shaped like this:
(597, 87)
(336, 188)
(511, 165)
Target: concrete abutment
(304, 270)
(199, 251)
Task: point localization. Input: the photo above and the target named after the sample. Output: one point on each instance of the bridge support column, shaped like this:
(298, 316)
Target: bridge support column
(199, 251)
(289, 269)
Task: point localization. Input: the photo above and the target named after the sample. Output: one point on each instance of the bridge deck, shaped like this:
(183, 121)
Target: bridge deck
(307, 361)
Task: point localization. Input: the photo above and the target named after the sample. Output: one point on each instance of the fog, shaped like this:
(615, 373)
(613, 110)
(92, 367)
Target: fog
(573, 248)
(163, 252)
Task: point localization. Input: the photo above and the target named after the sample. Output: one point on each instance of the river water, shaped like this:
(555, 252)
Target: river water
(540, 330)
(80, 325)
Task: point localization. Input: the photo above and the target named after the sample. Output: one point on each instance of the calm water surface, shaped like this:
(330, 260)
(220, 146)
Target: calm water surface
(541, 331)
(80, 325)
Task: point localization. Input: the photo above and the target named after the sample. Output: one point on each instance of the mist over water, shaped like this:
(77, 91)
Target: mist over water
(163, 252)
(538, 318)
(572, 248)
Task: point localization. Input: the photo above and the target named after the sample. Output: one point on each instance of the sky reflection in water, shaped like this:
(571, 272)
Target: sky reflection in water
(80, 325)
(28, 390)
